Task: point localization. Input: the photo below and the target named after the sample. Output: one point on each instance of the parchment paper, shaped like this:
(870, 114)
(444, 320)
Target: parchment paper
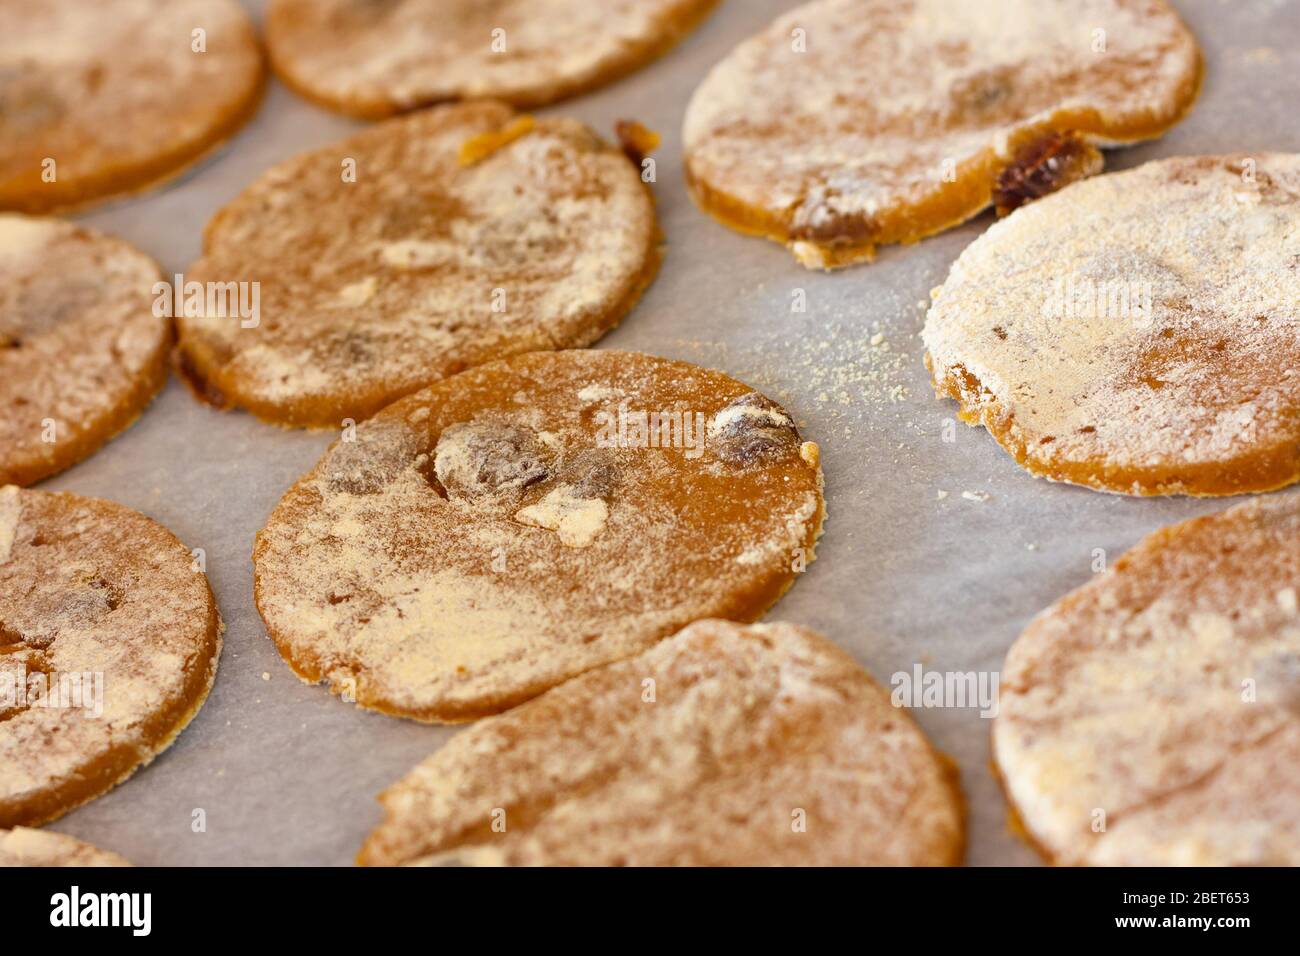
(285, 773)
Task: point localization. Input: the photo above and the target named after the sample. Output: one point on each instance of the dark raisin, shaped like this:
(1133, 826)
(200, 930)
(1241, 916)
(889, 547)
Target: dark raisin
(1044, 166)
(752, 428)
(819, 218)
(592, 474)
(475, 459)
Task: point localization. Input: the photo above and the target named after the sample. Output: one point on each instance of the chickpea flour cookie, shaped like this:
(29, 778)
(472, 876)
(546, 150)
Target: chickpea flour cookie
(1136, 333)
(723, 745)
(25, 847)
(503, 530)
(98, 99)
(850, 124)
(108, 646)
(374, 59)
(81, 352)
(1152, 717)
(470, 233)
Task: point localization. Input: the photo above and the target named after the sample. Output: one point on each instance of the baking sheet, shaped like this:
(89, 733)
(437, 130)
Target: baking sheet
(285, 773)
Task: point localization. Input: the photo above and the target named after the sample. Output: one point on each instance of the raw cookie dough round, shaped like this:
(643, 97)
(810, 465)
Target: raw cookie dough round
(1152, 717)
(81, 352)
(470, 233)
(849, 124)
(102, 98)
(109, 641)
(724, 745)
(25, 847)
(1136, 333)
(503, 530)
(374, 59)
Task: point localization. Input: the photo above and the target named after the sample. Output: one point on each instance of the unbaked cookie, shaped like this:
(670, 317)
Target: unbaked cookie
(849, 124)
(25, 847)
(373, 59)
(724, 745)
(1138, 332)
(109, 639)
(420, 247)
(102, 98)
(1152, 717)
(81, 352)
(503, 530)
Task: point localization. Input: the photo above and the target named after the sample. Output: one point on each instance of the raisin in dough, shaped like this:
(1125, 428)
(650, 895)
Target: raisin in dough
(1043, 334)
(482, 540)
(89, 587)
(115, 95)
(724, 745)
(81, 352)
(371, 58)
(1152, 717)
(25, 847)
(470, 233)
(849, 124)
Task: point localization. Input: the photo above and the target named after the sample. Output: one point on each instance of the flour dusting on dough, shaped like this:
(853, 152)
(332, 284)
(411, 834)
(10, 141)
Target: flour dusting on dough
(1165, 691)
(846, 124)
(476, 544)
(10, 509)
(1105, 352)
(577, 520)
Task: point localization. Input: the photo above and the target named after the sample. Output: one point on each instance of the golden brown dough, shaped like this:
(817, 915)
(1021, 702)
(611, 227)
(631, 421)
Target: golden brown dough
(116, 95)
(109, 639)
(723, 745)
(850, 124)
(489, 537)
(25, 847)
(372, 59)
(413, 250)
(1136, 333)
(81, 352)
(1152, 717)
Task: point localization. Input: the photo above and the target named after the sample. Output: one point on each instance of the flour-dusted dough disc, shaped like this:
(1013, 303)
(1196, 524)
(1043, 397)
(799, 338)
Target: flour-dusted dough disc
(371, 58)
(1152, 717)
(113, 633)
(849, 124)
(486, 538)
(469, 233)
(99, 98)
(81, 352)
(726, 744)
(22, 846)
(1139, 332)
